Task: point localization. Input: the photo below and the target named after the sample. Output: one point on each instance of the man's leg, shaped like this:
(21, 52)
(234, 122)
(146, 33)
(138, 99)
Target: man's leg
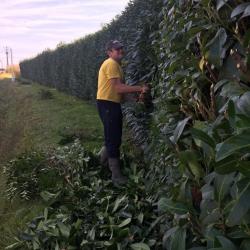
(113, 130)
(111, 116)
(112, 120)
(114, 139)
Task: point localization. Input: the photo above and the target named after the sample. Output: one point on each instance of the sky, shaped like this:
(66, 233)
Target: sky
(30, 26)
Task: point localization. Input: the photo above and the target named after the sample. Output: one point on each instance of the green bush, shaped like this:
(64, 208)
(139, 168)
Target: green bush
(25, 176)
(87, 212)
(200, 125)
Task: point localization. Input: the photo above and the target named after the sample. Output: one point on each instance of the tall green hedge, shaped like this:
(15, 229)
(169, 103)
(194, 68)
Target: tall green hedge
(196, 53)
(73, 68)
(200, 126)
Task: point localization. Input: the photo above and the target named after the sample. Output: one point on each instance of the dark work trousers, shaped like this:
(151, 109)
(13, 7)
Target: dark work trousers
(111, 116)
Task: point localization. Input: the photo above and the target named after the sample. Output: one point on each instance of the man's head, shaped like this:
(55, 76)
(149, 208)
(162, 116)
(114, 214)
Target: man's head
(115, 50)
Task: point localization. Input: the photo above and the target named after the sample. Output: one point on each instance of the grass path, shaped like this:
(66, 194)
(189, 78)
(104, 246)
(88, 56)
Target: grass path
(28, 122)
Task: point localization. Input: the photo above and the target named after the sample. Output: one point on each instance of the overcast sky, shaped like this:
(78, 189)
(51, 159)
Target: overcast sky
(30, 26)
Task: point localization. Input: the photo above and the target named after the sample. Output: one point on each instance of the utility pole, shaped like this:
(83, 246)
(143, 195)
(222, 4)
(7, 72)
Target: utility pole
(11, 56)
(7, 56)
(12, 66)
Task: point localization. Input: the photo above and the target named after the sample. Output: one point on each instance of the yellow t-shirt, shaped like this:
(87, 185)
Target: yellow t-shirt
(109, 69)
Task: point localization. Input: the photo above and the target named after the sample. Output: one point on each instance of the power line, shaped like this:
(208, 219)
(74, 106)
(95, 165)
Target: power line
(8, 51)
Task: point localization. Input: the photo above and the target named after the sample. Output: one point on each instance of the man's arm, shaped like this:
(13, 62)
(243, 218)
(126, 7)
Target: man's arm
(122, 88)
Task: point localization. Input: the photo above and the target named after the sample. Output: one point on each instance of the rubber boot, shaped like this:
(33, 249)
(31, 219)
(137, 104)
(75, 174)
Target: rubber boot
(103, 156)
(117, 177)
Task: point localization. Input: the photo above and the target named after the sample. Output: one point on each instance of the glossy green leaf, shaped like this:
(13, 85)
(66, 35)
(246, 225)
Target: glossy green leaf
(140, 246)
(245, 245)
(232, 164)
(179, 130)
(222, 184)
(167, 205)
(48, 197)
(15, 245)
(189, 158)
(243, 104)
(64, 229)
(220, 3)
(178, 240)
(246, 12)
(239, 9)
(118, 202)
(216, 52)
(226, 243)
(204, 137)
(243, 121)
(227, 165)
(125, 223)
(232, 145)
(240, 208)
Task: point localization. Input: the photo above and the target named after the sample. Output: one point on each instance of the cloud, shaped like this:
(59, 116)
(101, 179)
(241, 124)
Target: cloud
(29, 26)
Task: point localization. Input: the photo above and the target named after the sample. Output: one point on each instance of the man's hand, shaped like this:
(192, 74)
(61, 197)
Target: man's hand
(145, 96)
(145, 89)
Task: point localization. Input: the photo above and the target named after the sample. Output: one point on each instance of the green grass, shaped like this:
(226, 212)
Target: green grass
(29, 122)
(33, 122)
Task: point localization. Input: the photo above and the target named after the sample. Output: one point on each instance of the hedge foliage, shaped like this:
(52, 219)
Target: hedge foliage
(196, 53)
(201, 123)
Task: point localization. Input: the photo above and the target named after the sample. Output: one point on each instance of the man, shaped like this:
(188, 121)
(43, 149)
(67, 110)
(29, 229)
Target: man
(111, 91)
